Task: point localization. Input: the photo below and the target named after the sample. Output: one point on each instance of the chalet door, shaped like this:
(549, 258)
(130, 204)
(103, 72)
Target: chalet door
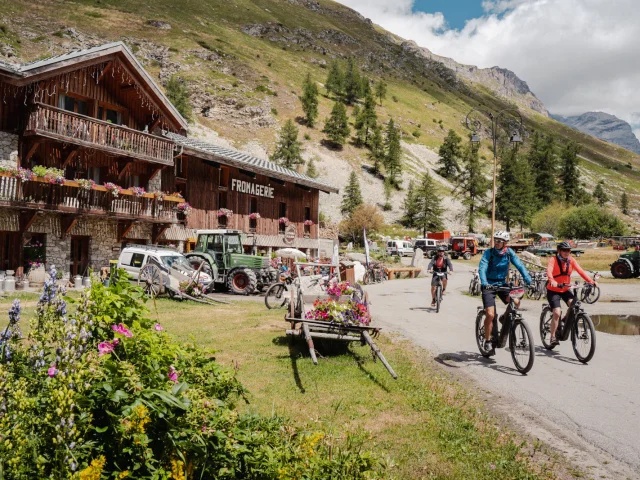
(9, 250)
(79, 255)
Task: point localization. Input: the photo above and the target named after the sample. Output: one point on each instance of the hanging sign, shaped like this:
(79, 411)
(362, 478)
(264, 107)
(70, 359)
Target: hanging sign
(290, 235)
(252, 188)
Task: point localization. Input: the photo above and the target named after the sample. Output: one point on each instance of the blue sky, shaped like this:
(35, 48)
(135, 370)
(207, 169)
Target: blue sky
(456, 12)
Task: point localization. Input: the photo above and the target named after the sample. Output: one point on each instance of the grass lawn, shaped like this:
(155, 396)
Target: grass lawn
(426, 423)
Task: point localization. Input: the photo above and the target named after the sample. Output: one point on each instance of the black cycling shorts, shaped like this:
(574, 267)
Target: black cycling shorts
(554, 298)
(489, 297)
(434, 279)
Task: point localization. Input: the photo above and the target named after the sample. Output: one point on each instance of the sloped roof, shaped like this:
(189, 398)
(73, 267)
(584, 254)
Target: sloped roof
(248, 162)
(44, 66)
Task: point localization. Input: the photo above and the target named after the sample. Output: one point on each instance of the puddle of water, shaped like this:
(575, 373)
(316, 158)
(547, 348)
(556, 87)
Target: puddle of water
(617, 324)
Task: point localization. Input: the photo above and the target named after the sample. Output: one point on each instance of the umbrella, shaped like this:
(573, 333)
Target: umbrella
(290, 253)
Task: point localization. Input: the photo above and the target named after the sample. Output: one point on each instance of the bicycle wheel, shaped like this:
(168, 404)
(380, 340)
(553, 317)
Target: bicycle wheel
(358, 293)
(438, 298)
(545, 328)
(540, 288)
(276, 296)
(472, 287)
(591, 294)
(521, 346)
(583, 338)
(480, 334)
(367, 277)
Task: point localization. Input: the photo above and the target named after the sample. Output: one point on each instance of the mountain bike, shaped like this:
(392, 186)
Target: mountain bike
(375, 273)
(474, 284)
(590, 293)
(440, 276)
(537, 286)
(277, 295)
(513, 326)
(576, 323)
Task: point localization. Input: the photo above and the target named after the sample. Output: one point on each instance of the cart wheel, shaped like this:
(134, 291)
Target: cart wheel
(150, 279)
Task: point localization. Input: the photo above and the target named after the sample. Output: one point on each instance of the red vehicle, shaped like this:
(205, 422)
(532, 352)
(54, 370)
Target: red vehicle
(465, 247)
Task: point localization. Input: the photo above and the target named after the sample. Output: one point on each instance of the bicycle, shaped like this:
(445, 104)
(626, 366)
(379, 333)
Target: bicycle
(474, 284)
(513, 325)
(576, 322)
(537, 286)
(375, 273)
(439, 287)
(277, 295)
(590, 293)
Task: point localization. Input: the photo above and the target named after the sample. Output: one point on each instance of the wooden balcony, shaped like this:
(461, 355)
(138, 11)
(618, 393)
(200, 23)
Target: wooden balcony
(70, 198)
(70, 127)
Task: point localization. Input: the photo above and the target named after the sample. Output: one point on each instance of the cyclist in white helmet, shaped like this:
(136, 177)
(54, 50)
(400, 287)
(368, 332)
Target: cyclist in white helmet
(493, 270)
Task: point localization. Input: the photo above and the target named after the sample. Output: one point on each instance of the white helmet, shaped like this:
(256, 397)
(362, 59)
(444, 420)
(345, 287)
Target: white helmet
(500, 235)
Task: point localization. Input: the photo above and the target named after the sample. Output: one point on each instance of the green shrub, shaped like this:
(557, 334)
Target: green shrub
(102, 392)
(94, 14)
(307, 136)
(178, 94)
(274, 111)
(416, 133)
(394, 98)
(267, 90)
(590, 221)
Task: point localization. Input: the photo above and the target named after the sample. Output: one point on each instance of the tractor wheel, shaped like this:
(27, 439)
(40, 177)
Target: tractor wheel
(621, 269)
(467, 256)
(206, 268)
(242, 281)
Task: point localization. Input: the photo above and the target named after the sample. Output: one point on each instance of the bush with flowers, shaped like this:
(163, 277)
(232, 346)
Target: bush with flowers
(254, 216)
(351, 313)
(55, 176)
(337, 289)
(283, 221)
(113, 189)
(184, 208)
(85, 184)
(98, 390)
(225, 212)
(138, 191)
(22, 174)
(308, 223)
(159, 195)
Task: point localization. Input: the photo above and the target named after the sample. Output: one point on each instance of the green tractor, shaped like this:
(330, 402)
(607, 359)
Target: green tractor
(627, 266)
(219, 253)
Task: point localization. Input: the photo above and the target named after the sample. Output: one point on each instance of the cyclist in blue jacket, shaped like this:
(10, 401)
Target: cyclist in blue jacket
(493, 270)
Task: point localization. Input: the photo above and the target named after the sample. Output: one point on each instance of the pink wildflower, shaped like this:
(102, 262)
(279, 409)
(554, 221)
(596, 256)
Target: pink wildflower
(122, 330)
(115, 341)
(173, 375)
(493, 467)
(52, 371)
(158, 327)
(105, 348)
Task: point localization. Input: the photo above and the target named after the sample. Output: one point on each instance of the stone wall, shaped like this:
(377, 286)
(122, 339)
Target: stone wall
(8, 149)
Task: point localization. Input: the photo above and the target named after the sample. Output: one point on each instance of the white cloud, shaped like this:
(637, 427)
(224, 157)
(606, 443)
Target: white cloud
(576, 55)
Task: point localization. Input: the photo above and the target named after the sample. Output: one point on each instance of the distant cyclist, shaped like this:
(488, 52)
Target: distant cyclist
(440, 264)
(493, 271)
(559, 270)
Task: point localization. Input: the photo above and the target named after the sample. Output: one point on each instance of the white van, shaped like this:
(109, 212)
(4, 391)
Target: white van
(401, 248)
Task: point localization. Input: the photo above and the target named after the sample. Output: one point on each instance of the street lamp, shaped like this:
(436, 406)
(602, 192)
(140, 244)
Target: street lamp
(514, 138)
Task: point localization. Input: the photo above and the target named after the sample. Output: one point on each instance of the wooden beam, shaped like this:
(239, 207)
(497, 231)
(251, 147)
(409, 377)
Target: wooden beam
(125, 169)
(127, 87)
(155, 123)
(157, 231)
(32, 150)
(27, 218)
(67, 222)
(70, 154)
(155, 171)
(124, 228)
(105, 71)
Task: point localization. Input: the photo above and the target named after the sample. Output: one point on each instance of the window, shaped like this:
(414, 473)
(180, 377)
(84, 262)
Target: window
(233, 244)
(72, 104)
(307, 213)
(222, 200)
(181, 167)
(134, 181)
(282, 212)
(137, 260)
(224, 177)
(94, 173)
(110, 115)
(253, 208)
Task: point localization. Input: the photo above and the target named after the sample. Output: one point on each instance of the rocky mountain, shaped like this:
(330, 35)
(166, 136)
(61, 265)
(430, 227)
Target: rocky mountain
(605, 127)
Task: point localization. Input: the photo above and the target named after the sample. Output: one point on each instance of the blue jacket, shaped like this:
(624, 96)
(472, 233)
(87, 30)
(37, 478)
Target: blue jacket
(494, 268)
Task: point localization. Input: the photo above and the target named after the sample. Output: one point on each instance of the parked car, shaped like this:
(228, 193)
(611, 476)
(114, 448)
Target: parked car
(401, 248)
(427, 245)
(134, 257)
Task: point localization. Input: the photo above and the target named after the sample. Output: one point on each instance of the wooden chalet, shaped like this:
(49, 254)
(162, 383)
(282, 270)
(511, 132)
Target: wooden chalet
(97, 115)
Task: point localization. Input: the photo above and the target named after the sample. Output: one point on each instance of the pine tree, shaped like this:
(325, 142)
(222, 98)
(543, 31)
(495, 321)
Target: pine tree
(366, 121)
(570, 176)
(365, 87)
(178, 94)
(311, 169)
(337, 126)
(381, 90)
(410, 207)
(450, 152)
(472, 186)
(335, 79)
(599, 194)
(624, 203)
(428, 206)
(352, 197)
(515, 199)
(376, 145)
(388, 188)
(352, 82)
(309, 100)
(287, 152)
(393, 153)
(543, 160)
(527, 198)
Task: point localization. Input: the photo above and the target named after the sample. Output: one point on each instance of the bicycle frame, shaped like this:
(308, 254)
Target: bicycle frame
(564, 330)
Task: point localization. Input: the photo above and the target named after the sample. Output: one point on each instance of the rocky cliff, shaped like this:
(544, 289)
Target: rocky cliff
(605, 127)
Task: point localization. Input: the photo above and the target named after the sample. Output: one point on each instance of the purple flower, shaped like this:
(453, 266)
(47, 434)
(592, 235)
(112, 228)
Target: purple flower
(105, 348)
(158, 327)
(122, 330)
(52, 371)
(173, 375)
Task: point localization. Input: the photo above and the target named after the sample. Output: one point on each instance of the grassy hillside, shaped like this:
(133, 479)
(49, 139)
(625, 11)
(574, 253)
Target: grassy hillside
(252, 82)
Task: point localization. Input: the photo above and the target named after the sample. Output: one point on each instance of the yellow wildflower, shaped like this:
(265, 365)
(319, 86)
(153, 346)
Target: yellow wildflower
(93, 471)
(177, 470)
(124, 474)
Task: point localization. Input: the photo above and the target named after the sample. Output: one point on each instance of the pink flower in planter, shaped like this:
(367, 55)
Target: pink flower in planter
(158, 327)
(173, 374)
(122, 330)
(105, 348)
(52, 371)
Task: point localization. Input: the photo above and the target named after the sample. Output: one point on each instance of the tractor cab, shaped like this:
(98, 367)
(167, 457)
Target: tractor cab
(220, 246)
(464, 247)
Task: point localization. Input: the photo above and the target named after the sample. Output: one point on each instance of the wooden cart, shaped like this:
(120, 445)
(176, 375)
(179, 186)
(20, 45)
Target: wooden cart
(310, 329)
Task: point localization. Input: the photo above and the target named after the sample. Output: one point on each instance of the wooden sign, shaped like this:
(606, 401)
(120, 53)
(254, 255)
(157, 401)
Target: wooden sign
(290, 235)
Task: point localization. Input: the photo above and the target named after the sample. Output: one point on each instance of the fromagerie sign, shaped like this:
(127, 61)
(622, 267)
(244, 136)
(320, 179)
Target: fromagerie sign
(251, 188)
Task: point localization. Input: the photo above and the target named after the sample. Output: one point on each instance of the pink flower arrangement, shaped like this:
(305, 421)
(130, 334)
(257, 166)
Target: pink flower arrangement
(308, 223)
(138, 191)
(105, 348)
(173, 374)
(338, 289)
(52, 371)
(54, 176)
(350, 313)
(225, 212)
(159, 195)
(184, 208)
(113, 188)
(158, 327)
(283, 221)
(22, 174)
(85, 184)
(254, 216)
(122, 330)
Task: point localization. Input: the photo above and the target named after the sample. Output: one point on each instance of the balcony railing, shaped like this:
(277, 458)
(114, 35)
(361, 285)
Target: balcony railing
(89, 132)
(70, 198)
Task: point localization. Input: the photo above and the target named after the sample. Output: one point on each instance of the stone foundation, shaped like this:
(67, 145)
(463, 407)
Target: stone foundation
(8, 150)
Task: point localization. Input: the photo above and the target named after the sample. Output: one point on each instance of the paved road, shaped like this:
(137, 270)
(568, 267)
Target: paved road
(590, 412)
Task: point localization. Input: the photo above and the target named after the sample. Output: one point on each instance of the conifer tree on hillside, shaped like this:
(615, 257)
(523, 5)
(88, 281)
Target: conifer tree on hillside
(472, 186)
(409, 207)
(337, 125)
(311, 169)
(527, 198)
(287, 152)
(393, 153)
(365, 87)
(570, 175)
(335, 79)
(309, 100)
(381, 90)
(352, 197)
(450, 152)
(178, 94)
(599, 194)
(352, 82)
(624, 203)
(428, 206)
(388, 188)
(543, 162)
(366, 121)
(376, 145)
(515, 199)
